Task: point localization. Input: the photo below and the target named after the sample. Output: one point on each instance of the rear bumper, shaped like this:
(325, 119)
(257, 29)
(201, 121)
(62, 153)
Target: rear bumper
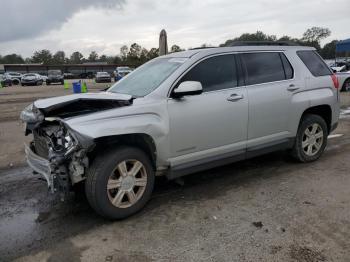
(39, 165)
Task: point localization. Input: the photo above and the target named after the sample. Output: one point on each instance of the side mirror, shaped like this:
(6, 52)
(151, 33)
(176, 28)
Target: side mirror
(188, 88)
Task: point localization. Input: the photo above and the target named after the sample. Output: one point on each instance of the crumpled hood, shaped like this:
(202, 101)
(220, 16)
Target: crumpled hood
(81, 104)
(53, 101)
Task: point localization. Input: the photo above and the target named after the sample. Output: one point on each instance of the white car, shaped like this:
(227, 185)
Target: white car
(344, 80)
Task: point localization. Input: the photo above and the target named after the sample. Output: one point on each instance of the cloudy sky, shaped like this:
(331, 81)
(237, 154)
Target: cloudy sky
(106, 25)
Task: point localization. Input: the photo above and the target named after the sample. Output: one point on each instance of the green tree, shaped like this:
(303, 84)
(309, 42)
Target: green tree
(258, 36)
(76, 58)
(316, 34)
(116, 60)
(12, 59)
(175, 48)
(103, 58)
(93, 56)
(328, 50)
(153, 53)
(124, 52)
(43, 56)
(144, 56)
(59, 58)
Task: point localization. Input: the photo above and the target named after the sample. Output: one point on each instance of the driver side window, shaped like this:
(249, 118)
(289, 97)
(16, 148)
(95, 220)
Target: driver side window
(214, 73)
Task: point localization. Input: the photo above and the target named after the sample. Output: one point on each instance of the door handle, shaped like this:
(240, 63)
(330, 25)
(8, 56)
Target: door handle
(235, 97)
(292, 87)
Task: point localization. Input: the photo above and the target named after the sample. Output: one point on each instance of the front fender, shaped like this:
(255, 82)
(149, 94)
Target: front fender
(148, 123)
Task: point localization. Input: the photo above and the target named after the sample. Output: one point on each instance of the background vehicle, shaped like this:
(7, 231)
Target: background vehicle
(5, 80)
(43, 77)
(103, 77)
(68, 76)
(14, 76)
(54, 76)
(179, 114)
(344, 81)
(31, 79)
(343, 66)
(121, 71)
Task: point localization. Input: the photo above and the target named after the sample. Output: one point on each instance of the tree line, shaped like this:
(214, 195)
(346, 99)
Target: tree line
(136, 54)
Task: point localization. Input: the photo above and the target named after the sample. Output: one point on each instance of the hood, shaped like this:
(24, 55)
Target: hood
(79, 104)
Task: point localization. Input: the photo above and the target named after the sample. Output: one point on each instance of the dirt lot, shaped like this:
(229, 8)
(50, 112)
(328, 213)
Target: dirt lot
(12, 102)
(265, 209)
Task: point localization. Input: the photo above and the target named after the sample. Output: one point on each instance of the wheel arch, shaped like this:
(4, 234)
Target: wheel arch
(324, 111)
(139, 140)
(343, 85)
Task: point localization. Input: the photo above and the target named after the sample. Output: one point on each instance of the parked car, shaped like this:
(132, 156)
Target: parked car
(344, 80)
(5, 80)
(68, 76)
(343, 66)
(103, 77)
(15, 77)
(31, 79)
(179, 114)
(43, 77)
(121, 71)
(54, 76)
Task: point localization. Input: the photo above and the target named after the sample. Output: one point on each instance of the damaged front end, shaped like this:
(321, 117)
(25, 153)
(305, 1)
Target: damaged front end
(57, 152)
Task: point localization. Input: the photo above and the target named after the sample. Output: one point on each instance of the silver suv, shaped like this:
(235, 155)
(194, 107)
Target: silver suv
(179, 114)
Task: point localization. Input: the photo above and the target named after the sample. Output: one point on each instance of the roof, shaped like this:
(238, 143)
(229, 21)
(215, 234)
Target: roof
(190, 53)
(343, 46)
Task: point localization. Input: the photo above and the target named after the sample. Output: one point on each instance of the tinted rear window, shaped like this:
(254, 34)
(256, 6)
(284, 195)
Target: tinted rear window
(314, 63)
(263, 68)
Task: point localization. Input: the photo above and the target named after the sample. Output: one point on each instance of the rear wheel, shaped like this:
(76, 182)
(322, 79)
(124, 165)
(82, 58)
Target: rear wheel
(311, 139)
(120, 182)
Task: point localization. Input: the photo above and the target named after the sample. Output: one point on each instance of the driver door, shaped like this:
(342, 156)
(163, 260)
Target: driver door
(213, 125)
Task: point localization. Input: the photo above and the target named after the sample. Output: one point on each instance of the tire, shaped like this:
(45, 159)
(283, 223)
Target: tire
(105, 169)
(315, 138)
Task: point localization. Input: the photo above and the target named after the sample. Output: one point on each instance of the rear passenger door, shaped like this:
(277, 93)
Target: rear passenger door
(270, 86)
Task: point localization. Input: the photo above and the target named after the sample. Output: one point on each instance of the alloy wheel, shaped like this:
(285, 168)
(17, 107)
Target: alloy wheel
(127, 183)
(312, 139)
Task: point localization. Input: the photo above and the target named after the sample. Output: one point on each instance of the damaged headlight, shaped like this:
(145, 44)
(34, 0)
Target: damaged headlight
(31, 114)
(68, 141)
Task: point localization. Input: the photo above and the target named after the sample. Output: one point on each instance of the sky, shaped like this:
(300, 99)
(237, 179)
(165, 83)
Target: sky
(105, 25)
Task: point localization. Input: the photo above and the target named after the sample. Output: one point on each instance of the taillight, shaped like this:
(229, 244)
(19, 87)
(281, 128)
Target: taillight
(335, 81)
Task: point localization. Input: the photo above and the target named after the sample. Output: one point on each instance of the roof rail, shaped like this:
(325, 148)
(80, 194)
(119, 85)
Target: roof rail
(204, 47)
(270, 43)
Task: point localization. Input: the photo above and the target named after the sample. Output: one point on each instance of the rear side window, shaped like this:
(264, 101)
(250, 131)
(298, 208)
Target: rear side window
(314, 63)
(214, 73)
(263, 67)
(288, 69)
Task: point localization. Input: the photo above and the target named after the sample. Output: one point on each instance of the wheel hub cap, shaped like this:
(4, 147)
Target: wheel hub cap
(127, 183)
(312, 139)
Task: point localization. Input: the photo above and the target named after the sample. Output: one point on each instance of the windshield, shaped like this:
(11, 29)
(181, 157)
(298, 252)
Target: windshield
(148, 77)
(26, 75)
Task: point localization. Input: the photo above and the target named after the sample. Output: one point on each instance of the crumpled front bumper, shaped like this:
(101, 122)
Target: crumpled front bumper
(39, 165)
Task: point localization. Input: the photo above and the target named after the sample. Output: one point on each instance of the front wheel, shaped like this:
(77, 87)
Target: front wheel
(311, 139)
(120, 182)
